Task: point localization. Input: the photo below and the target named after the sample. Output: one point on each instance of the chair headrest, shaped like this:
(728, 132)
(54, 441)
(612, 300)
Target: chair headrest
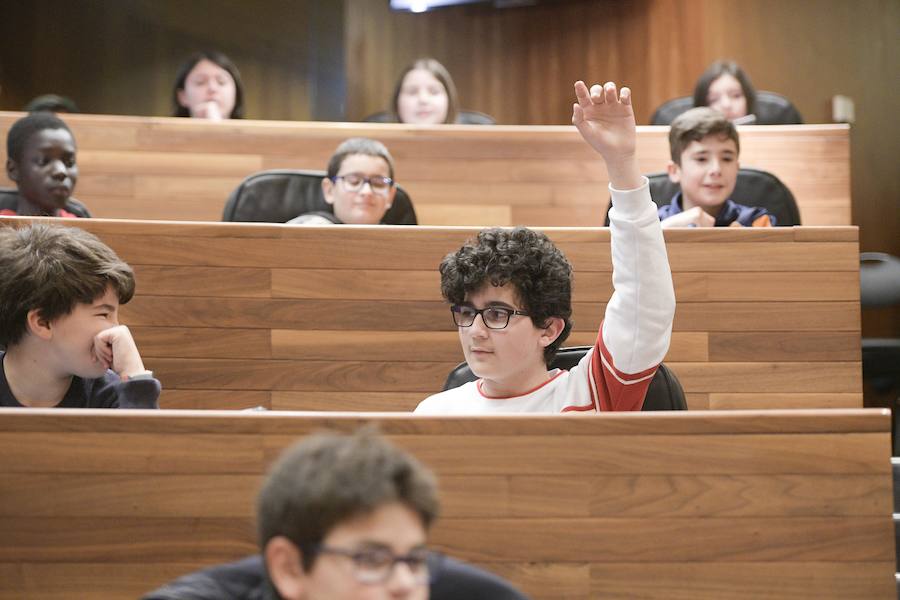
(464, 117)
(771, 109)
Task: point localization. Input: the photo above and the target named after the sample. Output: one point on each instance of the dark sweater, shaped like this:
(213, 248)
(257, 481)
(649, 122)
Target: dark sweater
(108, 391)
(247, 580)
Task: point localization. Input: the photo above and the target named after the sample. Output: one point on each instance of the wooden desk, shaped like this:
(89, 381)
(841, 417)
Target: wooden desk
(233, 315)
(703, 505)
(184, 169)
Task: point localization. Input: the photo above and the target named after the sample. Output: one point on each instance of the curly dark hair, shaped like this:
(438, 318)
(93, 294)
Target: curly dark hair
(529, 260)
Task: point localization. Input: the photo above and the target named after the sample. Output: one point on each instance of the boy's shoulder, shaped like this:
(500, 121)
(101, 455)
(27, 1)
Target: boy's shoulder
(455, 400)
(743, 215)
(77, 208)
(9, 205)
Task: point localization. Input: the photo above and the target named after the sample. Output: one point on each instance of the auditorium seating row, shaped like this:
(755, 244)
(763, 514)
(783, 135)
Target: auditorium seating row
(235, 315)
(184, 169)
(697, 505)
(705, 504)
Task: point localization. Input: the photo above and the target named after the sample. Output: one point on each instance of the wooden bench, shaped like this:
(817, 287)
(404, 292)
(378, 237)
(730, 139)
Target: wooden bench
(184, 169)
(710, 505)
(234, 315)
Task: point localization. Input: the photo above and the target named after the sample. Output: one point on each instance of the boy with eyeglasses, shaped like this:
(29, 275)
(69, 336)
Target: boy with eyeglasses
(343, 518)
(359, 185)
(510, 295)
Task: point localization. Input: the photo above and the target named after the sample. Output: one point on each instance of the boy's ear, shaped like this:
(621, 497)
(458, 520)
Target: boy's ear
(37, 325)
(328, 190)
(12, 169)
(282, 558)
(674, 172)
(555, 326)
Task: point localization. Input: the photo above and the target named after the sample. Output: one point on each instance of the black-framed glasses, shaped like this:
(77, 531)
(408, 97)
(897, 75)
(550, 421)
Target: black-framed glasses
(376, 565)
(494, 317)
(353, 182)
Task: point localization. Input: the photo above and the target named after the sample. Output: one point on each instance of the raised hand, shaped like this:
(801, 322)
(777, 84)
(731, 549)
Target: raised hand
(604, 117)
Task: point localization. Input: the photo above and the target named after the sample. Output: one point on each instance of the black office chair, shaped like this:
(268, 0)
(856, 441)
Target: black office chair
(879, 287)
(771, 109)
(464, 117)
(279, 195)
(665, 391)
(754, 187)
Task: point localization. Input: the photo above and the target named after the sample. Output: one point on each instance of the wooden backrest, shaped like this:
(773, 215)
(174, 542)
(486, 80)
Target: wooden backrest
(184, 169)
(351, 318)
(712, 505)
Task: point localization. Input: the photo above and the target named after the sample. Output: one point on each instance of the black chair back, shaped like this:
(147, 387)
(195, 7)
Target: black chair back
(771, 109)
(665, 391)
(277, 196)
(464, 117)
(754, 187)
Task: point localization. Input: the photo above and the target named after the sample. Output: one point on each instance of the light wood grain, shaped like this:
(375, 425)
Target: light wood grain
(162, 168)
(243, 315)
(110, 504)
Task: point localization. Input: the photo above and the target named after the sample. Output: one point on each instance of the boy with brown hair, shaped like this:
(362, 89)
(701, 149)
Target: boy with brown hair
(705, 146)
(343, 517)
(60, 291)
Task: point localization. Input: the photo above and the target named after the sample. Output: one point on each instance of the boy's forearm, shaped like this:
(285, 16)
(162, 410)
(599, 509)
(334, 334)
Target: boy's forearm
(638, 321)
(623, 172)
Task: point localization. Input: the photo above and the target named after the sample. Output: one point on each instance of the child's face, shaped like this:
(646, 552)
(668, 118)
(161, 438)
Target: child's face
(727, 96)
(357, 203)
(391, 530)
(707, 173)
(423, 99)
(503, 357)
(71, 349)
(209, 91)
(47, 172)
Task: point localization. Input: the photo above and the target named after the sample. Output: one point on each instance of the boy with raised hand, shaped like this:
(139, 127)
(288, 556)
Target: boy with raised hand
(704, 145)
(60, 290)
(510, 295)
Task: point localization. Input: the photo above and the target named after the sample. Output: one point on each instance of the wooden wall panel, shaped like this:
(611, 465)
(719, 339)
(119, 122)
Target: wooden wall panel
(233, 315)
(800, 499)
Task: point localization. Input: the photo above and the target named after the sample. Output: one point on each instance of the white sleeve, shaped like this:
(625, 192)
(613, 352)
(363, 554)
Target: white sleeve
(638, 324)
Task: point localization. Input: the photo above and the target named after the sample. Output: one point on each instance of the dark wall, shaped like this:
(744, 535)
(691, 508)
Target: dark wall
(120, 56)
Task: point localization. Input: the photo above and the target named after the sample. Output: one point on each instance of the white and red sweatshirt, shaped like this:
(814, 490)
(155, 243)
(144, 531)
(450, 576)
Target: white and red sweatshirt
(632, 341)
